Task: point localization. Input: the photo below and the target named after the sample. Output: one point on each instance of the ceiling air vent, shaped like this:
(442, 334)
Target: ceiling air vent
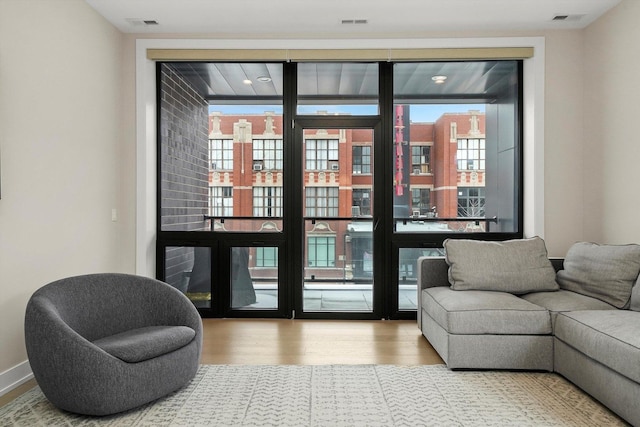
(354, 21)
(567, 18)
(136, 22)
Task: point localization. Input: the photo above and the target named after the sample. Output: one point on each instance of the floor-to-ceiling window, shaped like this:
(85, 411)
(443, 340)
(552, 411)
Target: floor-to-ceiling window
(312, 188)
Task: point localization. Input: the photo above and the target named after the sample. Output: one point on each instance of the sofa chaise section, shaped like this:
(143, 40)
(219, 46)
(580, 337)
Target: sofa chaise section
(599, 351)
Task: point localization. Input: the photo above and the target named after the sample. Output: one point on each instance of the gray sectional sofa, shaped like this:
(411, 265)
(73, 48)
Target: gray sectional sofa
(506, 305)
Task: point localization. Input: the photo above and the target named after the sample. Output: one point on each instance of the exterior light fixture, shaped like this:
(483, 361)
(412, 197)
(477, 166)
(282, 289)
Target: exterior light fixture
(439, 79)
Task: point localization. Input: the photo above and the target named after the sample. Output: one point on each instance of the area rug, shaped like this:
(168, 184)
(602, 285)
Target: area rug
(344, 395)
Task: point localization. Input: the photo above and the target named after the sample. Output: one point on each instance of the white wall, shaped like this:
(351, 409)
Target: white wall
(564, 134)
(61, 143)
(612, 126)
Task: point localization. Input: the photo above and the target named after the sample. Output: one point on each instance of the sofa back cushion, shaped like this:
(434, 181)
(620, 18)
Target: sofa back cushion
(515, 266)
(634, 304)
(606, 272)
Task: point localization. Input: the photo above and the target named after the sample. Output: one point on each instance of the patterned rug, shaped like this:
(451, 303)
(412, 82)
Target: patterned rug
(344, 395)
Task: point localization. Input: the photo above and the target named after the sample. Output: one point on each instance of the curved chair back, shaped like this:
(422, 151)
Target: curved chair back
(99, 305)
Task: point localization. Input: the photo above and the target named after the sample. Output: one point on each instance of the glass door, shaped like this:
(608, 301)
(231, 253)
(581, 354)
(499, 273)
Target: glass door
(336, 203)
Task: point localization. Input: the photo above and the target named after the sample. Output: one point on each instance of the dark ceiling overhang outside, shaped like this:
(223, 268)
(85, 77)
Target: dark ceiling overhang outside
(223, 82)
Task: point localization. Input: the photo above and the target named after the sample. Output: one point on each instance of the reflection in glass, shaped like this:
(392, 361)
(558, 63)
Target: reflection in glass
(242, 292)
(254, 278)
(408, 274)
(188, 269)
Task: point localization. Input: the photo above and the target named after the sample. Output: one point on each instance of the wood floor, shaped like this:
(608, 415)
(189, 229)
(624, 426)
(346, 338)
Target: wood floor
(306, 342)
(315, 342)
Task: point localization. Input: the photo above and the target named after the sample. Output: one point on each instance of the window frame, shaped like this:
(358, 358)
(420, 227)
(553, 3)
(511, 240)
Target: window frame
(222, 159)
(330, 250)
(270, 193)
(331, 200)
(214, 210)
(358, 164)
(420, 165)
(322, 157)
(270, 158)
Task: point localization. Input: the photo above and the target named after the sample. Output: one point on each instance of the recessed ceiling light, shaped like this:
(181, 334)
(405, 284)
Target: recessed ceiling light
(264, 79)
(439, 79)
(247, 82)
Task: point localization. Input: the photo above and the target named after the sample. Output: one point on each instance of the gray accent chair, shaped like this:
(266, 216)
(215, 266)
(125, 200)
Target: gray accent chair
(105, 343)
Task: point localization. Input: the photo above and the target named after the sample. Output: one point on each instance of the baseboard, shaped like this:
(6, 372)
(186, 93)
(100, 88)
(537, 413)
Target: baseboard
(14, 377)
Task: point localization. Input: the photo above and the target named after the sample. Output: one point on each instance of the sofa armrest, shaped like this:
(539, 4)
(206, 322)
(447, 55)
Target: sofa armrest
(432, 271)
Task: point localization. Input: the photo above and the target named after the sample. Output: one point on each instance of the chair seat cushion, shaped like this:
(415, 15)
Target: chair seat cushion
(484, 312)
(146, 343)
(607, 336)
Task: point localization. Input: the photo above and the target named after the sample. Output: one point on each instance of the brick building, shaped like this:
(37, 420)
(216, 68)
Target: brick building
(443, 168)
(438, 173)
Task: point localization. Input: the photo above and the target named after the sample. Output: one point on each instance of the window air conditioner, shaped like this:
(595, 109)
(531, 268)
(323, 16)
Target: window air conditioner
(335, 166)
(355, 211)
(257, 166)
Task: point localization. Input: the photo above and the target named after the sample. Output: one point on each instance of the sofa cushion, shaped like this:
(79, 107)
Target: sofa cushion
(483, 312)
(607, 336)
(515, 266)
(606, 272)
(146, 343)
(562, 300)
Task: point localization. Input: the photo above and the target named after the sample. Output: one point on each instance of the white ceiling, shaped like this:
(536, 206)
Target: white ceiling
(314, 18)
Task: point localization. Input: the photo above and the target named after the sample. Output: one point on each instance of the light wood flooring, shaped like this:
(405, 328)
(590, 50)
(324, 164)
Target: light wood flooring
(315, 342)
(306, 342)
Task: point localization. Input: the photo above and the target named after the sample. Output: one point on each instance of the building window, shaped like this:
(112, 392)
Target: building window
(268, 152)
(221, 201)
(420, 200)
(221, 154)
(321, 154)
(421, 159)
(321, 251)
(266, 256)
(471, 202)
(361, 197)
(267, 201)
(471, 154)
(321, 201)
(362, 159)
